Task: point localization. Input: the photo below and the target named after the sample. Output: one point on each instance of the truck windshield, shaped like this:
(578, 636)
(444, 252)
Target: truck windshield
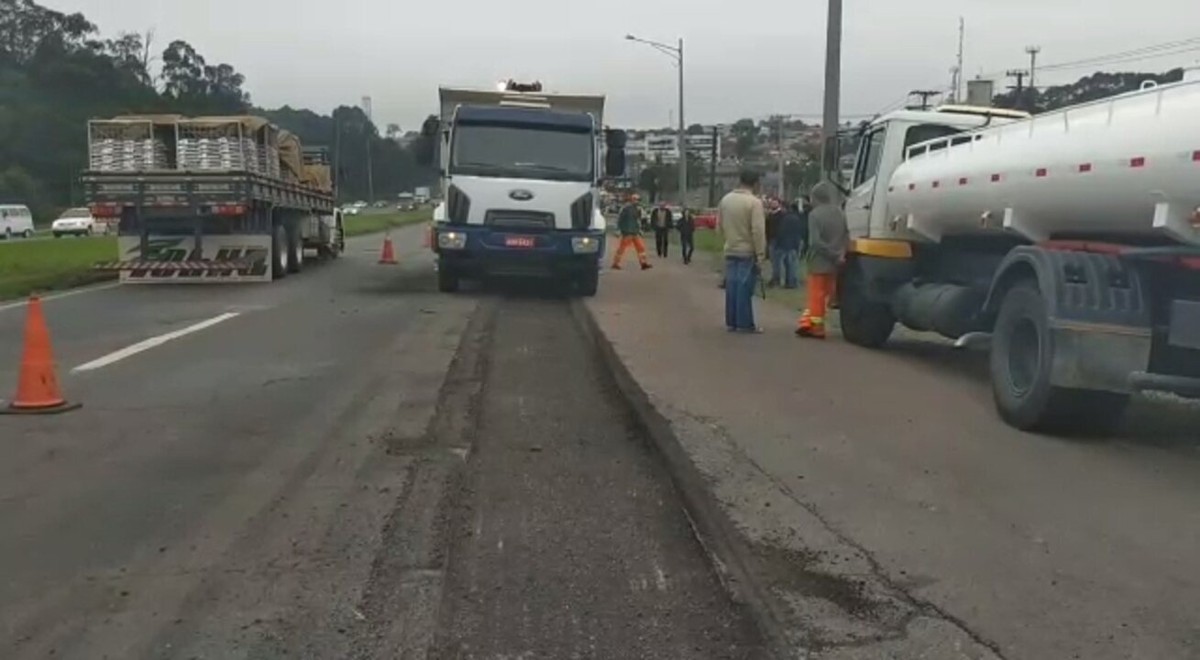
(499, 150)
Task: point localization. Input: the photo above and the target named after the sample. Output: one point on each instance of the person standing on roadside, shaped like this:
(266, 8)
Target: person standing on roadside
(828, 238)
(687, 234)
(660, 221)
(741, 218)
(629, 225)
(774, 215)
(785, 256)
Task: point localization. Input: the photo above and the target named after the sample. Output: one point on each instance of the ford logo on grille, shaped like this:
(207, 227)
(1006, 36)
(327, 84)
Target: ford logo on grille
(520, 194)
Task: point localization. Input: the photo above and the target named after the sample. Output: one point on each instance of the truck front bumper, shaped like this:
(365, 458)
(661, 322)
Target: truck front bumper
(476, 251)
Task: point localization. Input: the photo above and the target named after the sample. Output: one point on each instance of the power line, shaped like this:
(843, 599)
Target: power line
(1164, 49)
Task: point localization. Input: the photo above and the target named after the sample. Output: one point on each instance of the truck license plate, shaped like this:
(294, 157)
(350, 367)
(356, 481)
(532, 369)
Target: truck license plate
(518, 241)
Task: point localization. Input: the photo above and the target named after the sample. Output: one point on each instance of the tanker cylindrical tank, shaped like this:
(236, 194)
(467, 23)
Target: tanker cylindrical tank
(1128, 166)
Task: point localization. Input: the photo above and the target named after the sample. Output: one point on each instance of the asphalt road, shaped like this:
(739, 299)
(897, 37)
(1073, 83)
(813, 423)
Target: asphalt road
(342, 464)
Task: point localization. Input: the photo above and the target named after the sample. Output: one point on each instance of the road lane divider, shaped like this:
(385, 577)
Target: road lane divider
(65, 294)
(147, 344)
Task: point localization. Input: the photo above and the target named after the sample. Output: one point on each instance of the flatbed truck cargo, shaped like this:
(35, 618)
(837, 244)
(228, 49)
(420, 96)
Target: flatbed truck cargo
(1068, 242)
(521, 174)
(234, 218)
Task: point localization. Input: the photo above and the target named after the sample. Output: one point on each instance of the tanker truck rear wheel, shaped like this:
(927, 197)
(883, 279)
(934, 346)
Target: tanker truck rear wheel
(1021, 359)
(864, 322)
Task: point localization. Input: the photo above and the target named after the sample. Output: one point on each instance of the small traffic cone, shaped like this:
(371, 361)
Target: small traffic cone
(428, 240)
(37, 386)
(389, 253)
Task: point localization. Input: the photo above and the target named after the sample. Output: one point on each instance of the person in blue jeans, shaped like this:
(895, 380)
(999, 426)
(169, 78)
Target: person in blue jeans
(785, 253)
(741, 219)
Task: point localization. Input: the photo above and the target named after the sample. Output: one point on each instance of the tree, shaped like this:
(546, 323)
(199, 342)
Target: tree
(183, 72)
(1089, 88)
(745, 134)
(695, 129)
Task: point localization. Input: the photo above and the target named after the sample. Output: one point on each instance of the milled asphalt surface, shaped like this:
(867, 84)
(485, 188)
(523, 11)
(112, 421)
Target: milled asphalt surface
(571, 542)
(354, 466)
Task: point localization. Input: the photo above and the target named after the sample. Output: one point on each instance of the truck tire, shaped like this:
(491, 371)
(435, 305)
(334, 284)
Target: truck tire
(447, 278)
(295, 243)
(279, 253)
(864, 322)
(1021, 358)
(589, 282)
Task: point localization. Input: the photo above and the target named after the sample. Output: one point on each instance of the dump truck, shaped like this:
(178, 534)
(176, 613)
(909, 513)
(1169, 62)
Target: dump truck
(1068, 243)
(520, 175)
(209, 199)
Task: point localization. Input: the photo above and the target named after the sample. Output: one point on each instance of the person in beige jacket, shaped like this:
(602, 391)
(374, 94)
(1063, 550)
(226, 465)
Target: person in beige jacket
(742, 221)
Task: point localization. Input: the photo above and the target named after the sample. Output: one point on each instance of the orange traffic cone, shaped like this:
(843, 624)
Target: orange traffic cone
(37, 386)
(389, 253)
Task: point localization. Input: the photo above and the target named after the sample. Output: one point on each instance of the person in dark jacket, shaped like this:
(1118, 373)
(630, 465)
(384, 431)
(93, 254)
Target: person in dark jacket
(687, 234)
(629, 225)
(828, 239)
(785, 258)
(774, 215)
(661, 221)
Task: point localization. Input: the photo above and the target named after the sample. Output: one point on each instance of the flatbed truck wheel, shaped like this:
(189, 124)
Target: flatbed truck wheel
(447, 278)
(295, 244)
(1020, 363)
(279, 253)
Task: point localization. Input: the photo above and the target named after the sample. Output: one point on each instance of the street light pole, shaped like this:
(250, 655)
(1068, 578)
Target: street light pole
(676, 53)
(683, 153)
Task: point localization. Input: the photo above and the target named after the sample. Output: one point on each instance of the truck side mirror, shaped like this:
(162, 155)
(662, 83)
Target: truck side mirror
(614, 162)
(614, 138)
(426, 144)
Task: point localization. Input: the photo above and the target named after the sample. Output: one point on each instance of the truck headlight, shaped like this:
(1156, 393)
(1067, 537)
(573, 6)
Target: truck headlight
(452, 240)
(585, 244)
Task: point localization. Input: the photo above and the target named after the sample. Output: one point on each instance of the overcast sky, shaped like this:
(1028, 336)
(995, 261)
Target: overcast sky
(766, 57)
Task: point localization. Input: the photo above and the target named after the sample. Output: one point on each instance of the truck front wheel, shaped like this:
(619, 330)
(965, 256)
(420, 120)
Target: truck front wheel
(447, 278)
(1021, 359)
(589, 282)
(864, 322)
(279, 253)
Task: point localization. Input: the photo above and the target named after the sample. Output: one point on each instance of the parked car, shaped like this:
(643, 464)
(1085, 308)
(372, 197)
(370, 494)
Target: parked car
(350, 210)
(77, 222)
(706, 219)
(15, 220)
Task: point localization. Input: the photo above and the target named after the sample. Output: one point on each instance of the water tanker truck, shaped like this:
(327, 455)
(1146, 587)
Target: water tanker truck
(1069, 243)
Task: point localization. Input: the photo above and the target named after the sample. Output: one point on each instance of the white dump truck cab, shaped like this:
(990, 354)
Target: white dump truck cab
(1067, 243)
(521, 173)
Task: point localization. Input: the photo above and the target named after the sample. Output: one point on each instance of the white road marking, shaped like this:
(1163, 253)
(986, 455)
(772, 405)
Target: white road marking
(150, 343)
(64, 294)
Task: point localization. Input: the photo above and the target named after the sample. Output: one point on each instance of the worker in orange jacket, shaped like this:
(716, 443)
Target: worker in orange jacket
(629, 224)
(828, 238)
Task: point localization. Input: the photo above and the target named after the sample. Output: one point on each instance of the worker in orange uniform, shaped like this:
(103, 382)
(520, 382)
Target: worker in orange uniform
(828, 238)
(629, 225)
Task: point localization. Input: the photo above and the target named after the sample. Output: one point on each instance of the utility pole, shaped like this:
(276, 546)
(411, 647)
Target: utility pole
(833, 81)
(1033, 53)
(925, 95)
(712, 167)
(1020, 86)
(956, 88)
(337, 154)
(779, 146)
(367, 132)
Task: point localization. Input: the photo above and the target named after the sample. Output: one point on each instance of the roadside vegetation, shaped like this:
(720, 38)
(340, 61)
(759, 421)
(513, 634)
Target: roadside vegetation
(371, 223)
(46, 265)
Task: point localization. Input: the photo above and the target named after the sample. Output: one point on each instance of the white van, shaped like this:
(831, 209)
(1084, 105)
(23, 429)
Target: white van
(15, 220)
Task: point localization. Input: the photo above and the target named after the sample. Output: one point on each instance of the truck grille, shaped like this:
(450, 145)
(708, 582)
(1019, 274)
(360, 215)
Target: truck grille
(519, 219)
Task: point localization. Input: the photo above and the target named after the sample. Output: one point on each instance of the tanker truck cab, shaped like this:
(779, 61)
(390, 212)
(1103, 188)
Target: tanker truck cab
(1067, 244)
(520, 177)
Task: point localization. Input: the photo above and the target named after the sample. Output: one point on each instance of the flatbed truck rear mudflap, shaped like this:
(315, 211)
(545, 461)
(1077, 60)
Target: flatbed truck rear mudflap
(479, 252)
(204, 226)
